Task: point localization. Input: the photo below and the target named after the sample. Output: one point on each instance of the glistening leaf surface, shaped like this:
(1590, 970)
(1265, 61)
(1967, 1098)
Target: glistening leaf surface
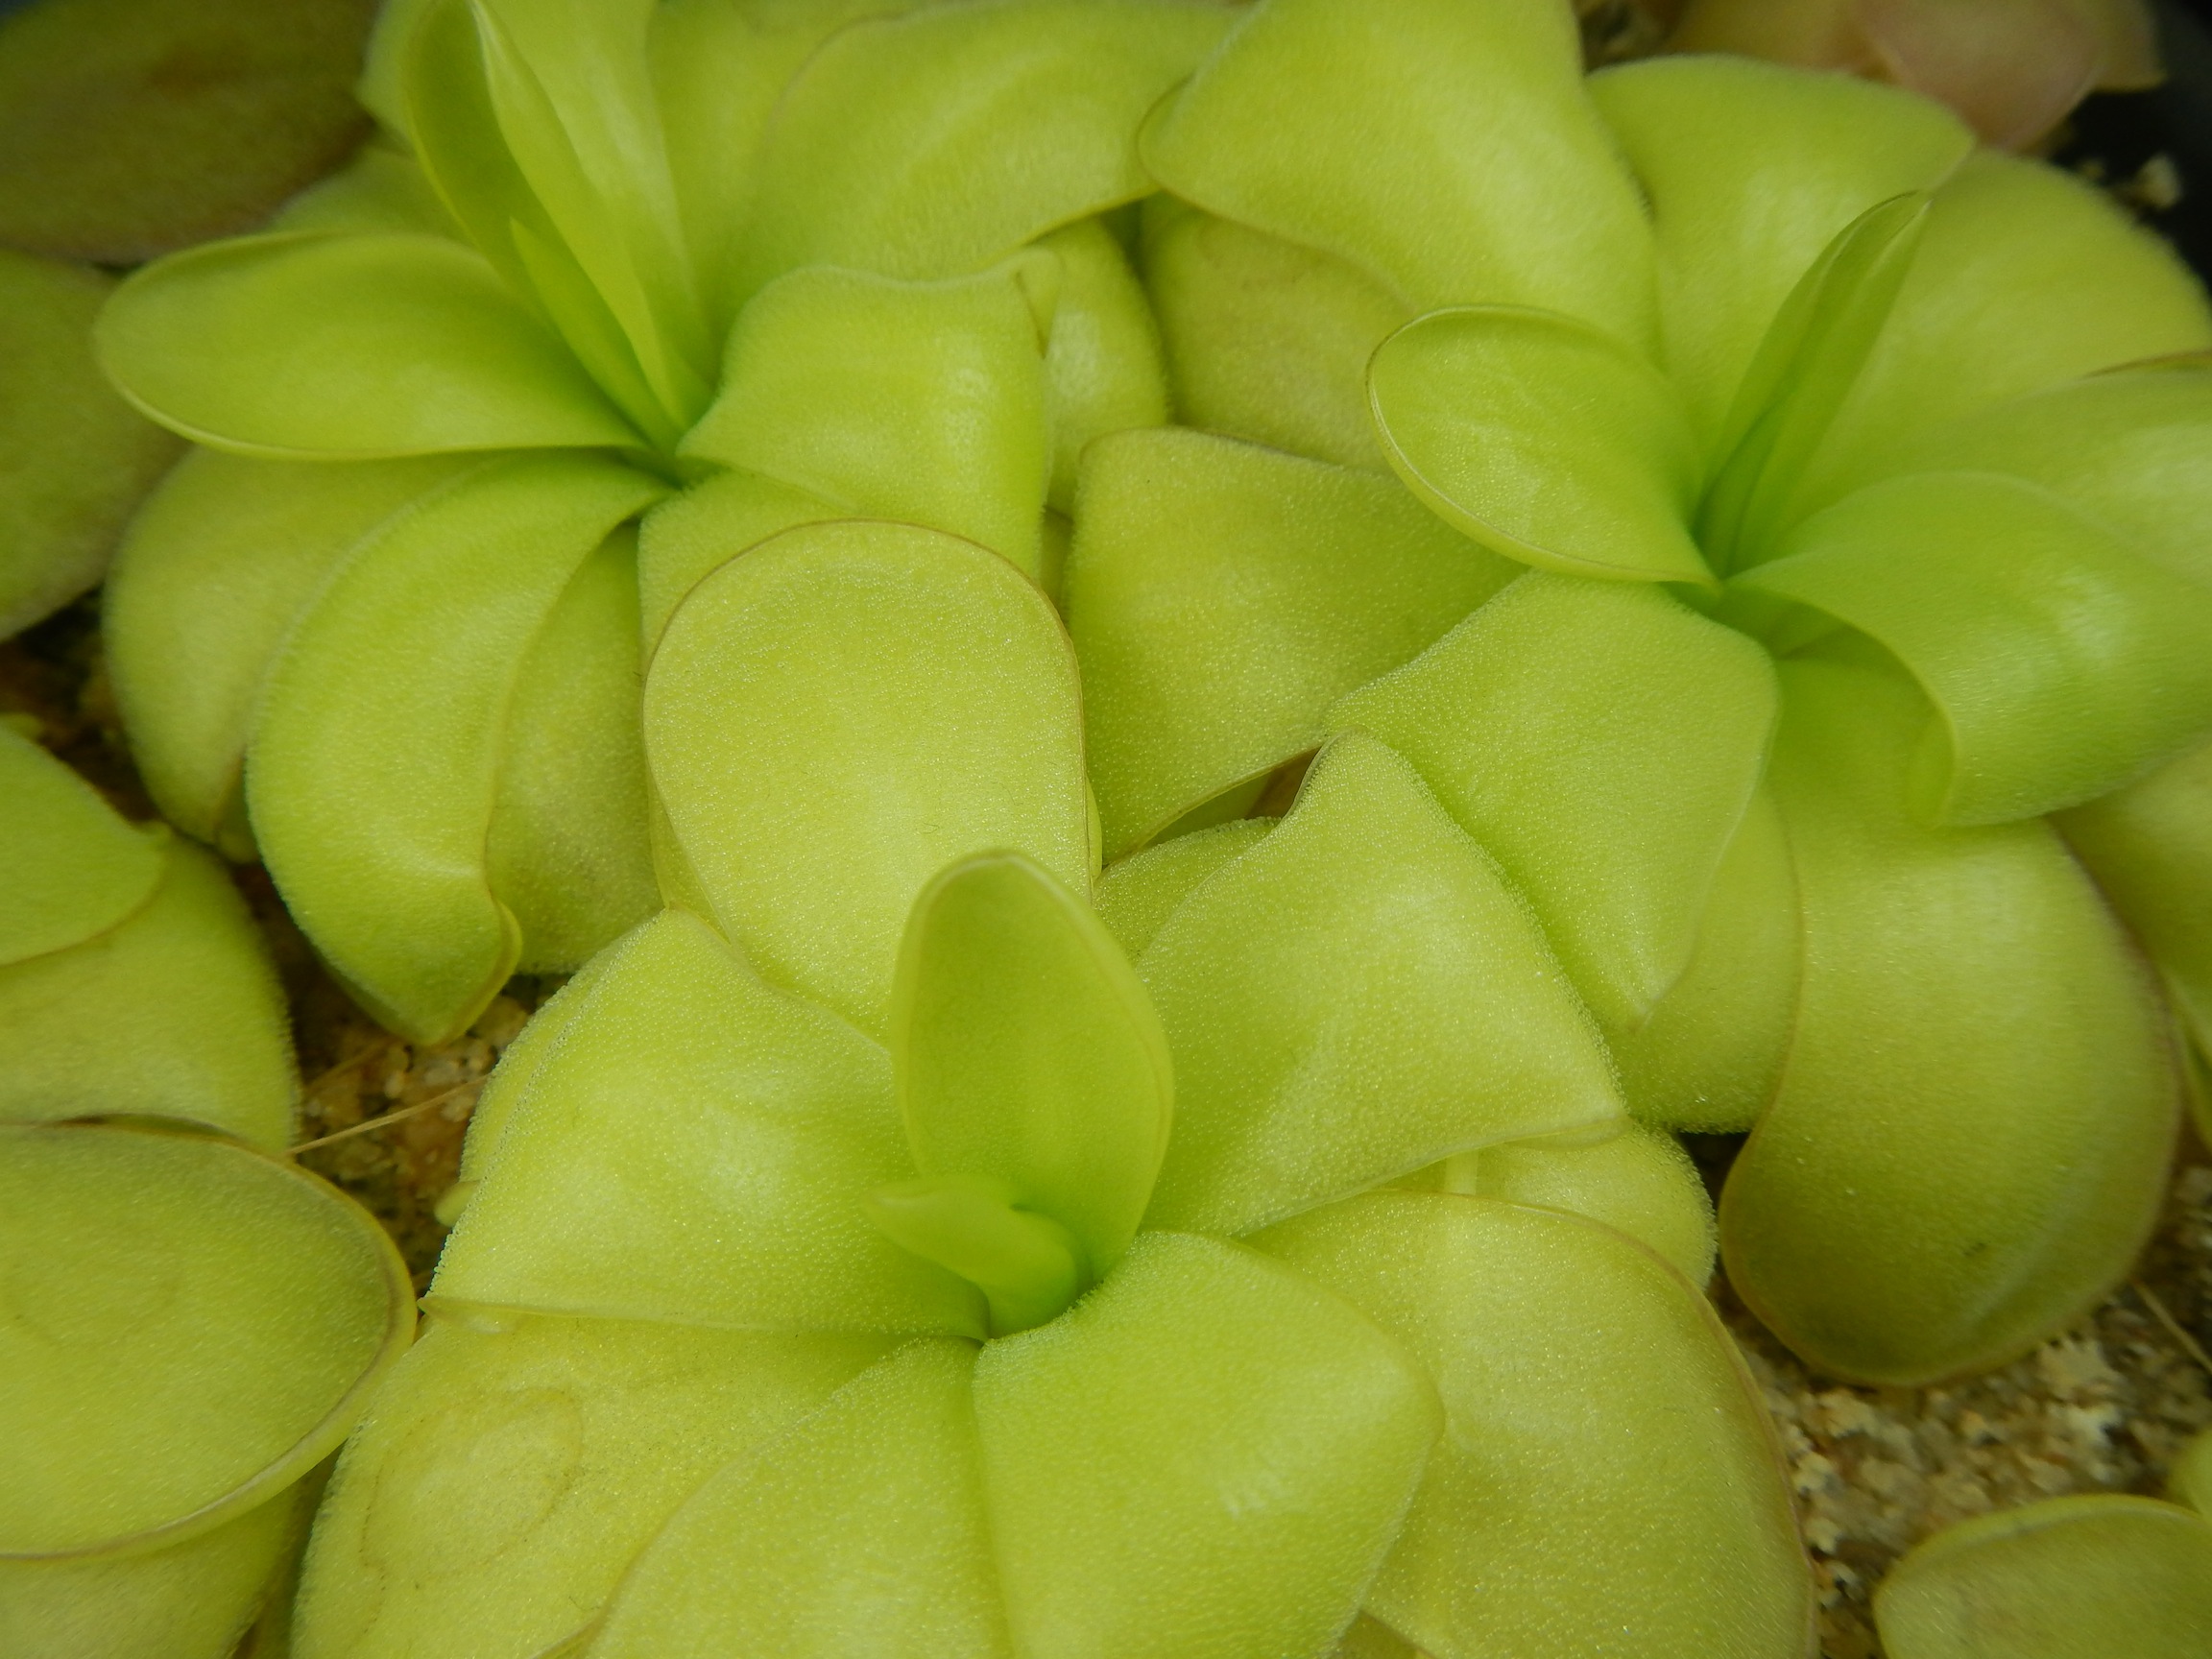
(508, 1476)
(1221, 596)
(930, 145)
(193, 1327)
(1206, 1458)
(373, 769)
(2050, 1580)
(346, 346)
(687, 1100)
(1546, 441)
(1606, 1465)
(175, 1012)
(2060, 663)
(1979, 1105)
(833, 718)
(74, 866)
(1601, 741)
(1357, 996)
(1448, 148)
(917, 401)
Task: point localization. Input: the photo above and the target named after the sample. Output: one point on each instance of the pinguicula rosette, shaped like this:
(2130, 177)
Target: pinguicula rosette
(881, 1251)
(191, 1323)
(1771, 527)
(722, 268)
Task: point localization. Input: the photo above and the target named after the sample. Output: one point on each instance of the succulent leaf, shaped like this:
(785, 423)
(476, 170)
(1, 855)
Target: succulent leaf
(1545, 1334)
(1222, 596)
(1136, 897)
(1447, 149)
(76, 869)
(2061, 665)
(2089, 1575)
(1601, 741)
(1358, 995)
(348, 715)
(1025, 1052)
(510, 1474)
(837, 715)
(2006, 1138)
(1548, 441)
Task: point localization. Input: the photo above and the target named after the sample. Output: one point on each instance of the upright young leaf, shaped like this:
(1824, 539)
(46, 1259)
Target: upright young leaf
(1221, 596)
(1601, 742)
(1025, 1050)
(1751, 169)
(835, 718)
(1357, 996)
(932, 144)
(685, 1099)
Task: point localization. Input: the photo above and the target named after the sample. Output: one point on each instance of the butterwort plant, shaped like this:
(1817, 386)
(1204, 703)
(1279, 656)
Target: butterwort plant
(1773, 527)
(193, 1322)
(882, 1249)
(622, 290)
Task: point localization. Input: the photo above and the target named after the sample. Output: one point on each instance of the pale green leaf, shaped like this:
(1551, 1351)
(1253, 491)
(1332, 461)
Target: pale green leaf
(1446, 146)
(1136, 897)
(568, 849)
(681, 1100)
(346, 346)
(1606, 1465)
(1640, 1183)
(2027, 277)
(192, 1600)
(372, 774)
(925, 402)
(931, 145)
(833, 718)
(1546, 441)
(1222, 596)
(2065, 1578)
(2061, 665)
(1267, 340)
(1103, 370)
(1601, 740)
(1710, 1055)
(859, 1530)
(2150, 847)
(75, 868)
(695, 532)
(1357, 996)
(1979, 1106)
(509, 1476)
(74, 457)
(1206, 1458)
(194, 1325)
(1751, 170)
(174, 1012)
(224, 555)
(1026, 1051)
